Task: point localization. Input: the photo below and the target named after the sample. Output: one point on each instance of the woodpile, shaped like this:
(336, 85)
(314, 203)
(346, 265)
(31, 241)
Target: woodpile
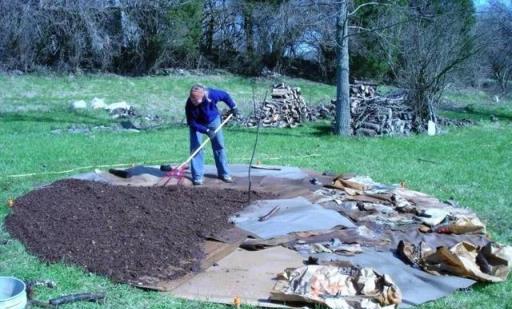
(358, 92)
(382, 115)
(286, 109)
(372, 114)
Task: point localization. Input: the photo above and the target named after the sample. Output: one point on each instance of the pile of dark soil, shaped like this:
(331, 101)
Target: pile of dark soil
(122, 232)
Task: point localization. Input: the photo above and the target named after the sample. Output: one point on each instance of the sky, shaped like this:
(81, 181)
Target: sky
(480, 2)
(484, 2)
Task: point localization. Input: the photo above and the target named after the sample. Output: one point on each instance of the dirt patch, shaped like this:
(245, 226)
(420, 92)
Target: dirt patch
(122, 232)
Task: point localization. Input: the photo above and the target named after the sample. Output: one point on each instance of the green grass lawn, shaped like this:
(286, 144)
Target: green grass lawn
(165, 94)
(477, 105)
(471, 165)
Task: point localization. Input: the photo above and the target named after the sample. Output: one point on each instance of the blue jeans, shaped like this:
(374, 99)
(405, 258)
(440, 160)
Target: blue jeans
(219, 152)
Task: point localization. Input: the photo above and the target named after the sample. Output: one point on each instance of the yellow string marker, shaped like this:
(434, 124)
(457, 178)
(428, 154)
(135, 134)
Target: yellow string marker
(10, 203)
(236, 302)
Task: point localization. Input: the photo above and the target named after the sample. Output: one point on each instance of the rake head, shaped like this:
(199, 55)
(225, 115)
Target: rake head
(176, 174)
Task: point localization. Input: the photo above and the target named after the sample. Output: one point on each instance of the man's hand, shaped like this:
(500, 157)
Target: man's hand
(235, 112)
(210, 133)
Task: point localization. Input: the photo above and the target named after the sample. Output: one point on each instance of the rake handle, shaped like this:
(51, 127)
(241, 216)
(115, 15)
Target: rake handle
(204, 143)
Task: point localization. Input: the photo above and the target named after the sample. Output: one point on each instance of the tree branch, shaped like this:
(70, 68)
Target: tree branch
(362, 6)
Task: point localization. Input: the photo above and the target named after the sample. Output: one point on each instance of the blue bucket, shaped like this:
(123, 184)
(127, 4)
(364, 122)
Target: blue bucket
(12, 293)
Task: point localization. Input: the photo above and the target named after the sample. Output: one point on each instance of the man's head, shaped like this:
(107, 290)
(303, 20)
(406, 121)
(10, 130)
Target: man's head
(197, 94)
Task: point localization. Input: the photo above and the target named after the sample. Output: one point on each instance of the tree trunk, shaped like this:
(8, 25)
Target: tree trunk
(210, 27)
(248, 28)
(342, 120)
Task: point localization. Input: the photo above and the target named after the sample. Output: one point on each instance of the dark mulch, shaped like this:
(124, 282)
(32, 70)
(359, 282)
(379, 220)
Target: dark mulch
(122, 232)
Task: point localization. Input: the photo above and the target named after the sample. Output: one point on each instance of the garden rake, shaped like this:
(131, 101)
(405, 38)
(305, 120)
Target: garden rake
(178, 173)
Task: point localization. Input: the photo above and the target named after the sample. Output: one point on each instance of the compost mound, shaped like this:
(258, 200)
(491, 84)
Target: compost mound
(122, 232)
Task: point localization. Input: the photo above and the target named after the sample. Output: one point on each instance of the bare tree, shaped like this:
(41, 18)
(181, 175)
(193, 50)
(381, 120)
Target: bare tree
(117, 35)
(343, 15)
(435, 40)
(249, 34)
(495, 27)
(136, 36)
(426, 41)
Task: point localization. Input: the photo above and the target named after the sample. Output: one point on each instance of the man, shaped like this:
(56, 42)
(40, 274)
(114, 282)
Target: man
(203, 118)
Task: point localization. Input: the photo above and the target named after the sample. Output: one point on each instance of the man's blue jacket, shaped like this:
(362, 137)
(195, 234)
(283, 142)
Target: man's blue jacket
(198, 117)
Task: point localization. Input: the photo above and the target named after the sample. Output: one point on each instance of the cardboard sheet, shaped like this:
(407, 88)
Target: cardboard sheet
(247, 274)
(214, 251)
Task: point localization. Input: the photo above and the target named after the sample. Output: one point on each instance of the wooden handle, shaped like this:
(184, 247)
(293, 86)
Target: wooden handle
(204, 142)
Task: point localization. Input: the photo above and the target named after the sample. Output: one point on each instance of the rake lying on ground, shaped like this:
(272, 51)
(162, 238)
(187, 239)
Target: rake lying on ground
(178, 172)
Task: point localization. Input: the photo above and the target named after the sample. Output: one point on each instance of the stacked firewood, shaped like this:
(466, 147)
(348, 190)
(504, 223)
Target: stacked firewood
(372, 114)
(286, 109)
(382, 115)
(359, 93)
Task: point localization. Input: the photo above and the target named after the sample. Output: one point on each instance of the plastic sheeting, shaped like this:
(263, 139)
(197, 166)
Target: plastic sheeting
(241, 170)
(150, 175)
(292, 215)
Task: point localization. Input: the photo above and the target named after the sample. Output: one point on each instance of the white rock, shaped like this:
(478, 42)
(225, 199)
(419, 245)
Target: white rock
(80, 104)
(98, 103)
(118, 105)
